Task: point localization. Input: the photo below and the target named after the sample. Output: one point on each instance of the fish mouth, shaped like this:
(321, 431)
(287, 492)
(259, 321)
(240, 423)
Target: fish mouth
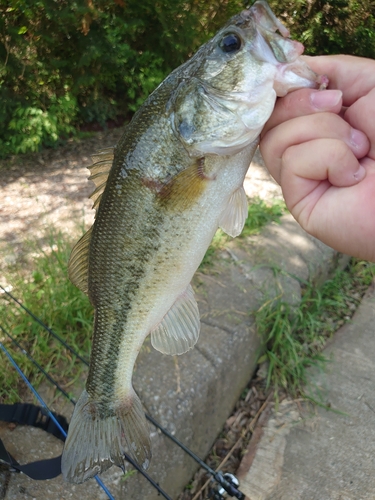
(273, 45)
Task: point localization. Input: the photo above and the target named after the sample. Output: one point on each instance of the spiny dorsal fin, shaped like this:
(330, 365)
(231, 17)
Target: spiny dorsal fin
(99, 170)
(78, 265)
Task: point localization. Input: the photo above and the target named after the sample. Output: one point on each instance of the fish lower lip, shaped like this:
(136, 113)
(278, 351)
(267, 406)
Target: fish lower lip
(293, 76)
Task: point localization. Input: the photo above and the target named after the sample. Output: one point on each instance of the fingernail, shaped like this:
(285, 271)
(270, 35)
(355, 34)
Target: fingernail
(357, 138)
(360, 174)
(325, 99)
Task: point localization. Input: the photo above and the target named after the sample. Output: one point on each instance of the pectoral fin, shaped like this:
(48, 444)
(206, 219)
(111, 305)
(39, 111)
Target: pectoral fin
(179, 330)
(234, 216)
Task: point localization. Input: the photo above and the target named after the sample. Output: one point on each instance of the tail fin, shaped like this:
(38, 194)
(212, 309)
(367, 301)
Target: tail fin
(96, 441)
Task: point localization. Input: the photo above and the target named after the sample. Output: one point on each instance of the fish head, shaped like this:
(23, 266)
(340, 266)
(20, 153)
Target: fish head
(229, 88)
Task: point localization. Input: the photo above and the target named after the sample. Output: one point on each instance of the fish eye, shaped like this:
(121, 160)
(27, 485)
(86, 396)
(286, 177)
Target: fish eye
(230, 42)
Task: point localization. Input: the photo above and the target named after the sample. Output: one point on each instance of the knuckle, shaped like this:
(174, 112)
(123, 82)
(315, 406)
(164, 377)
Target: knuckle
(327, 123)
(339, 153)
(289, 156)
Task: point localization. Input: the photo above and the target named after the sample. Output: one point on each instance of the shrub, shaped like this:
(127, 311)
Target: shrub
(331, 27)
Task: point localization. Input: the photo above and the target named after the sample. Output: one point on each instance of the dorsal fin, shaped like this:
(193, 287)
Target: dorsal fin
(99, 170)
(78, 265)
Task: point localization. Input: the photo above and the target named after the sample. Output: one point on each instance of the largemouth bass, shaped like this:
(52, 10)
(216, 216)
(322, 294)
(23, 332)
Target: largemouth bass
(175, 177)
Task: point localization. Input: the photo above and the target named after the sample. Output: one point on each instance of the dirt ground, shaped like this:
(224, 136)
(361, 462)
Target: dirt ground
(46, 189)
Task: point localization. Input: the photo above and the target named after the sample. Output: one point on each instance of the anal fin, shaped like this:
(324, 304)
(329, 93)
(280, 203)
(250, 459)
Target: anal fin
(179, 330)
(234, 215)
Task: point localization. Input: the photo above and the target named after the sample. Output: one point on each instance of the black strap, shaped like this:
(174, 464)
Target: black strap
(29, 414)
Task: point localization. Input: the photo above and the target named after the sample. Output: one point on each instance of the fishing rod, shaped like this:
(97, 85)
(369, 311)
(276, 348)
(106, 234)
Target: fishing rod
(226, 482)
(127, 457)
(46, 408)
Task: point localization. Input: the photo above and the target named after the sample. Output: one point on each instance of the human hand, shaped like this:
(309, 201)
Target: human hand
(320, 147)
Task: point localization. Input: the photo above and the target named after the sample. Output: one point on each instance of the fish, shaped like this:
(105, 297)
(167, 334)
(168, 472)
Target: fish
(173, 179)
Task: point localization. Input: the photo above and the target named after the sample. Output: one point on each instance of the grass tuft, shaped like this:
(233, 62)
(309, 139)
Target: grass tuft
(50, 295)
(261, 213)
(295, 337)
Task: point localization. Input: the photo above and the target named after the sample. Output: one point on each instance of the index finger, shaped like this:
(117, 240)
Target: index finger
(300, 103)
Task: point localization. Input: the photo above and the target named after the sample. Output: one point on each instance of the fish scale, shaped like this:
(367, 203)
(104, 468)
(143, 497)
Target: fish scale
(175, 176)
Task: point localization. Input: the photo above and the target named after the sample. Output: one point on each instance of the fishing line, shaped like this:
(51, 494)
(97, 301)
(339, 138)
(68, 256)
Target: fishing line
(73, 351)
(229, 487)
(181, 445)
(154, 484)
(49, 330)
(40, 368)
(218, 476)
(44, 405)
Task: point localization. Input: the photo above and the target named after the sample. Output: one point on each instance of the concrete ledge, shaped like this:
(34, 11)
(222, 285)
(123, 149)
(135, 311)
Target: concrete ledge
(193, 394)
